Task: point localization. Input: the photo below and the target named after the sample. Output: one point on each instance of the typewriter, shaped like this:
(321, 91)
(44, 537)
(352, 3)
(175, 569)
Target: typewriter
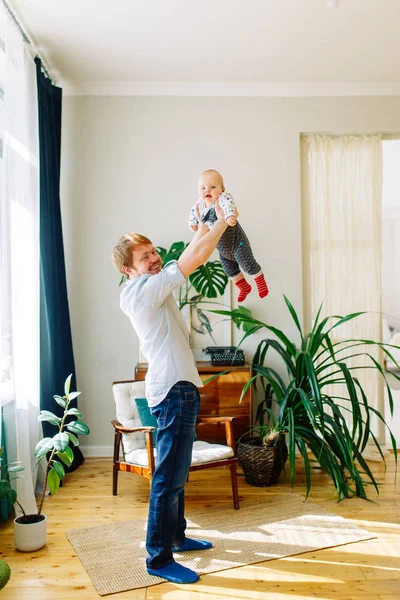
(225, 356)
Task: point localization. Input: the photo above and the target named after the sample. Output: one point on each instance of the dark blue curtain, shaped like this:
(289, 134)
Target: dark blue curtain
(56, 353)
(6, 509)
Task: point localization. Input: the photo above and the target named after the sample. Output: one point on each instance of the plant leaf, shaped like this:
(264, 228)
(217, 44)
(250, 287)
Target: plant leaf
(174, 253)
(294, 316)
(246, 387)
(59, 469)
(212, 377)
(240, 323)
(49, 417)
(75, 411)
(44, 446)
(79, 428)
(209, 279)
(60, 400)
(67, 385)
(53, 481)
(162, 252)
(61, 441)
(290, 346)
(73, 438)
(303, 451)
(67, 457)
(15, 468)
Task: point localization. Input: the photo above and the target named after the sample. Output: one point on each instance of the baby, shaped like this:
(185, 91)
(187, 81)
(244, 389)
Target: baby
(234, 247)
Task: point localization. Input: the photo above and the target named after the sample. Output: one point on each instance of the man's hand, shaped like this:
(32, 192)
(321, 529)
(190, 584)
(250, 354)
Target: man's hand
(231, 221)
(201, 227)
(193, 227)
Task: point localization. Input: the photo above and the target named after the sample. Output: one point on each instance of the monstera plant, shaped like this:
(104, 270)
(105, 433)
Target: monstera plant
(208, 281)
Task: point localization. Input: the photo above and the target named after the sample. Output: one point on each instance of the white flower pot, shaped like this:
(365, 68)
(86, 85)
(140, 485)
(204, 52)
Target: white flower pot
(30, 536)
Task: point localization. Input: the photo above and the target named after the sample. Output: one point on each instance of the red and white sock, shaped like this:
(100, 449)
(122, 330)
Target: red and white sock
(244, 287)
(261, 286)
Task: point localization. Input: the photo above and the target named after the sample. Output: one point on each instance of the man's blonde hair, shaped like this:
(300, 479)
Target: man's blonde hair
(122, 252)
(214, 172)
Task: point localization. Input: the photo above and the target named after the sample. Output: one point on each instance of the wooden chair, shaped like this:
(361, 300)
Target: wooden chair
(136, 441)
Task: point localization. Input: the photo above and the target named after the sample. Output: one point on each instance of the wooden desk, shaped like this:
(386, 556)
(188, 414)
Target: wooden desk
(220, 397)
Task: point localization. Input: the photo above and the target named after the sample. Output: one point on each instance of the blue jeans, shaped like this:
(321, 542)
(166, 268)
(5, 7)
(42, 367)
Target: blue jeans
(176, 417)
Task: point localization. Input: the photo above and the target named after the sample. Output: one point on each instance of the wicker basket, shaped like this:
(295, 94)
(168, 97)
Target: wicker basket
(261, 464)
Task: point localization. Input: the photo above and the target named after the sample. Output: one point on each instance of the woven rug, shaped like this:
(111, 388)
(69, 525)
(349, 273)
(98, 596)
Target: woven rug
(114, 555)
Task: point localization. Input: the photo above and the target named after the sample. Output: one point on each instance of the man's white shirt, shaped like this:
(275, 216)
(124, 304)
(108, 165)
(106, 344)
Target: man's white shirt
(164, 338)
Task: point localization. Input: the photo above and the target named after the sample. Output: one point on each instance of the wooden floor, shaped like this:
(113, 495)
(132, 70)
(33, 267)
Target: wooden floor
(362, 571)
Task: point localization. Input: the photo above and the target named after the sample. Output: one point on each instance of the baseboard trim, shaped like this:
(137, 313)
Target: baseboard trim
(97, 451)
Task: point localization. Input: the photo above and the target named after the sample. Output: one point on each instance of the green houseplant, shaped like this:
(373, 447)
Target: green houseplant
(307, 412)
(6, 475)
(30, 529)
(208, 280)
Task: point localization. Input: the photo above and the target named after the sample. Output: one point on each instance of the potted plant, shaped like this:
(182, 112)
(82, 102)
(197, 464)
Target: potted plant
(262, 452)
(308, 412)
(30, 530)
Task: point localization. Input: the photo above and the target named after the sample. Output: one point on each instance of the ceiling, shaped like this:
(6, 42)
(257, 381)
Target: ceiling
(242, 45)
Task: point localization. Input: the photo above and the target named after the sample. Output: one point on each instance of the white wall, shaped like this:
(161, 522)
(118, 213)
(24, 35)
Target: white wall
(131, 164)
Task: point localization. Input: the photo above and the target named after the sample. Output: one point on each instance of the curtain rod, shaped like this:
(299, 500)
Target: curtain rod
(26, 38)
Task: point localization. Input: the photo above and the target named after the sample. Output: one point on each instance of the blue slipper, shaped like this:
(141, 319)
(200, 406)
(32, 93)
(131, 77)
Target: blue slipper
(176, 573)
(190, 544)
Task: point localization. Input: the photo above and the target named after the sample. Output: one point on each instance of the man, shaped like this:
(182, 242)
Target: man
(171, 384)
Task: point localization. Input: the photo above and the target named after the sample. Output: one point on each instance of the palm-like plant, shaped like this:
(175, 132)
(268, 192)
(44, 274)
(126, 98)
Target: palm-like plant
(308, 412)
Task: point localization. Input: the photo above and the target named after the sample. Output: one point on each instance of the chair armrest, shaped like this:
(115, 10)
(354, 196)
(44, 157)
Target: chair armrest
(201, 420)
(150, 449)
(227, 421)
(119, 427)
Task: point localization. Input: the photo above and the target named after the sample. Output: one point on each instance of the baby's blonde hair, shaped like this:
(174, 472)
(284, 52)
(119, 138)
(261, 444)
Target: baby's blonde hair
(122, 252)
(215, 173)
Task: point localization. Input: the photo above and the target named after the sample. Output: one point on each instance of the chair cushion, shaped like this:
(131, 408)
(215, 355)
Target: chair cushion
(203, 452)
(147, 419)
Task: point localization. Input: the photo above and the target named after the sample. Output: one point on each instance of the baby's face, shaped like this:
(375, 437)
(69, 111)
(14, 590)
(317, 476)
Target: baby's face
(210, 187)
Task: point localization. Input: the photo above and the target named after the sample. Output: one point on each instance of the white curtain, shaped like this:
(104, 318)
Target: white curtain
(19, 258)
(342, 242)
